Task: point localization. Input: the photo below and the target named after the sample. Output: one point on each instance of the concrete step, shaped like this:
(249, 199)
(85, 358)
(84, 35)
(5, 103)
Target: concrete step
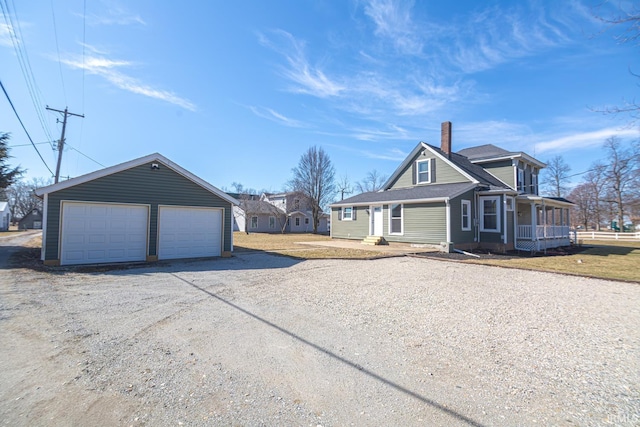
(374, 240)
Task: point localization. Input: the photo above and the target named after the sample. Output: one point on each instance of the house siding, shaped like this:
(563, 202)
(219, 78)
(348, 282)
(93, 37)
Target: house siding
(459, 237)
(442, 171)
(353, 229)
(423, 223)
(503, 170)
(138, 185)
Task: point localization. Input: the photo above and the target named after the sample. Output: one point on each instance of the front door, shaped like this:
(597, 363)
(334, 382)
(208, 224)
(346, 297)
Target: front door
(376, 220)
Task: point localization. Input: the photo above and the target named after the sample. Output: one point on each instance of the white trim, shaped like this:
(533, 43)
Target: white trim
(401, 201)
(45, 209)
(131, 164)
(511, 157)
(481, 203)
(464, 203)
(390, 208)
(448, 221)
(428, 161)
(350, 213)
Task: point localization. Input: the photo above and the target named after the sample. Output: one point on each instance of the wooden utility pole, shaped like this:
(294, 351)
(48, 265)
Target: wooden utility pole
(65, 114)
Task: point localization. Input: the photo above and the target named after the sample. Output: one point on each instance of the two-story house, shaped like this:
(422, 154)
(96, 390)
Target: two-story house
(296, 209)
(480, 197)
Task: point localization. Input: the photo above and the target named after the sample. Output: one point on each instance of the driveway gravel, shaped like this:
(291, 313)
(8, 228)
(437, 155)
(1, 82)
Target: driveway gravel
(264, 340)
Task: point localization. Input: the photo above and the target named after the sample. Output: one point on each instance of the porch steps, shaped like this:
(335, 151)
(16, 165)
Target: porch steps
(374, 240)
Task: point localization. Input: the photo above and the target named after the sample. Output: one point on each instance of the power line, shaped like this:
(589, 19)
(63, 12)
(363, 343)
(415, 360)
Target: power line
(15, 33)
(80, 152)
(25, 129)
(55, 33)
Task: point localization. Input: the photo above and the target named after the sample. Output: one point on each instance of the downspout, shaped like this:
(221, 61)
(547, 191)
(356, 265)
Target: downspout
(504, 216)
(45, 208)
(448, 221)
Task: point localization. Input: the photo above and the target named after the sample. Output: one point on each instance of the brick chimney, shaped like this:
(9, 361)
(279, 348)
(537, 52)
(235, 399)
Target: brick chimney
(445, 138)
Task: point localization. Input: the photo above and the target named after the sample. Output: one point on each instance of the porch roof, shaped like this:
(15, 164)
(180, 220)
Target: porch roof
(558, 202)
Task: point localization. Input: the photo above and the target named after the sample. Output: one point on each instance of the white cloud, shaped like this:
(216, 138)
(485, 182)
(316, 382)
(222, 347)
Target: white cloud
(309, 79)
(115, 15)
(269, 114)
(107, 68)
(582, 140)
(393, 21)
(5, 35)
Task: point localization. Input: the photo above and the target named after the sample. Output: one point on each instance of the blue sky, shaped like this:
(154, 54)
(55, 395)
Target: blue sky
(237, 91)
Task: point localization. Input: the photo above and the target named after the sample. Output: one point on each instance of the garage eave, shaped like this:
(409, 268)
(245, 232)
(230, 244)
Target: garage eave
(151, 158)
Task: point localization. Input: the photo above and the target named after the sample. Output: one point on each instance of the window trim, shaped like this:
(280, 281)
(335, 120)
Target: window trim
(496, 199)
(391, 218)
(466, 203)
(510, 203)
(251, 222)
(521, 180)
(418, 163)
(272, 222)
(344, 211)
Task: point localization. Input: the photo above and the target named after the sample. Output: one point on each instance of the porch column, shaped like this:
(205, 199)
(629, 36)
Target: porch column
(534, 222)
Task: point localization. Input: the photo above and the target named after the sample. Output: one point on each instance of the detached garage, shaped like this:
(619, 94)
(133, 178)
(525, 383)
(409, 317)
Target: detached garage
(142, 210)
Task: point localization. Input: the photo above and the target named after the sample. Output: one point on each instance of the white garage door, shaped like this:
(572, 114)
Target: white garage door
(186, 232)
(100, 232)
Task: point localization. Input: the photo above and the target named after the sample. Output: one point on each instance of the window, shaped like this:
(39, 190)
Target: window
(272, 222)
(423, 171)
(466, 215)
(395, 219)
(509, 201)
(490, 214)
(347, 214)
(254, 222)
(306, 221)
(520, 179)
(298, 222)
(534, 183)
(296, 204)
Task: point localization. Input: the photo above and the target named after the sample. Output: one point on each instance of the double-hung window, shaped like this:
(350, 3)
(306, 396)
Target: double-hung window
(521, 186)
(254, 222)
(490, 214)
(272, 222)
(347, 213)
(466, 215)
(423, 171)
(395, 219)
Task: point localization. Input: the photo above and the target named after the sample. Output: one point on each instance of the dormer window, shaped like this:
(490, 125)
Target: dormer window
(423, 171)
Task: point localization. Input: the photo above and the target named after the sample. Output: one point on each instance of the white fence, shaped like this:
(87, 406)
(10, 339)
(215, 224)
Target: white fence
(525, 232)
(604, 235)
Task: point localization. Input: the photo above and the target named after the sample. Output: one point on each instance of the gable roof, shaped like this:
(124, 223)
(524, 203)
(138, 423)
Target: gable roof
(132, 164)
(489, 152)
(477, 172)
(260, 207)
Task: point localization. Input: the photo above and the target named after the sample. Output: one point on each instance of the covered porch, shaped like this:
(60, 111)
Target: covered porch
(542, 223)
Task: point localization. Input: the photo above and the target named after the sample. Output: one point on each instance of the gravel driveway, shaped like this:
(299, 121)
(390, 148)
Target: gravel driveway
(263, 340)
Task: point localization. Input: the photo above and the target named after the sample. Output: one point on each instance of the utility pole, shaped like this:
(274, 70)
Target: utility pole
(65, 114)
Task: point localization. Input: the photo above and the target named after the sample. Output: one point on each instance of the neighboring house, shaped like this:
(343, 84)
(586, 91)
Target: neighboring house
(298, 211)
(260, 216)
(32, 220)
(5, 216)
(480, 197)
(146, 209)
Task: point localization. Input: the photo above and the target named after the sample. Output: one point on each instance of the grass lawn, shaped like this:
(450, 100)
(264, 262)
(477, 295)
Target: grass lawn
(285, 244)
(603, 259)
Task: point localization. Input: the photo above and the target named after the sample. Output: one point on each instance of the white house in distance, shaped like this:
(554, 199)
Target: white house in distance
(5, 216)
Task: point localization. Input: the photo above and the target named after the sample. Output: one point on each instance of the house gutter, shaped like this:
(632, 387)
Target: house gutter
(388, 202)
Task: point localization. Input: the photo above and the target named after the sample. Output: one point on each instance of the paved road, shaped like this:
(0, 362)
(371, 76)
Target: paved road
(12, 243)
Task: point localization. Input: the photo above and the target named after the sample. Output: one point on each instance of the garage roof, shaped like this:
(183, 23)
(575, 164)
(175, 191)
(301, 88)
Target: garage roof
(155, 157)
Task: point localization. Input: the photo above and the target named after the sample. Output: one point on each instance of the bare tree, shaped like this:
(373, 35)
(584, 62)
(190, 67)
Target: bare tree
(595, 180)
(21, 197)
(583, 210)
(314, 177)
(556, 176)
(629, 22)
(622, 174)
(372, 182)
(343, 186)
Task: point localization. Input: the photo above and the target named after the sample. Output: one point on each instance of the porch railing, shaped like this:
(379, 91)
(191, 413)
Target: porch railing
(542, 232)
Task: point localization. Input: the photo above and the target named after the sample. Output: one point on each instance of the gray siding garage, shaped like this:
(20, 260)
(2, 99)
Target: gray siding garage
(146, 209)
